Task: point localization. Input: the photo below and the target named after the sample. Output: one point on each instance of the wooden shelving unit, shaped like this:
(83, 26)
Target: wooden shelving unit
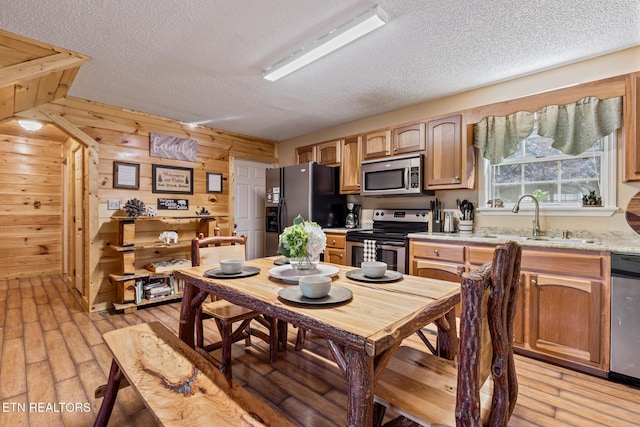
(128, 275)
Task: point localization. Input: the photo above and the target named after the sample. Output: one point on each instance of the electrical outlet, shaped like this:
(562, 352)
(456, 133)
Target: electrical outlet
(113, 204)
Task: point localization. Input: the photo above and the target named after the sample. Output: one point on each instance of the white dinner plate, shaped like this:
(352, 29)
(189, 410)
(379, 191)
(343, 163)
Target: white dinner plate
(289, 275)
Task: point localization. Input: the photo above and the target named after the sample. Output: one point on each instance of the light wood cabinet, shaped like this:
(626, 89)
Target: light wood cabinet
(350, 165)
(391, 142)
(306, 154)
(408, 139)
(325, 153)
(444, 152)
(564, 317)
(632, 127)
(561, 312)
(376, 145)
(328, 153)
(335, 252)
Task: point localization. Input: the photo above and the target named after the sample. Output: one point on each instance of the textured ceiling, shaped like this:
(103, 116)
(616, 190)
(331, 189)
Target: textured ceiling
(202, 60)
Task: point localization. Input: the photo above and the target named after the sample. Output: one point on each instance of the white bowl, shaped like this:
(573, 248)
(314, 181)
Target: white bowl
(315, 286)
(231, 266)
(374, 269)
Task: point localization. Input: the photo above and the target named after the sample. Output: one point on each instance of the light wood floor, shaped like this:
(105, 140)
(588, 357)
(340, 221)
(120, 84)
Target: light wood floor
(53, 358)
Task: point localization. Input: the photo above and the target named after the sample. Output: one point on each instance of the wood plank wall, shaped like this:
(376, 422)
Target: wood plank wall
(31, 175)
(123, 135)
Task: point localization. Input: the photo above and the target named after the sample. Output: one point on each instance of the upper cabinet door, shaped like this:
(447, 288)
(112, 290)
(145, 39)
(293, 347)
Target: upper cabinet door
(350, 167)
(632, 128)
(409, 139)
(328, 153)
(306, 154)
(375, 145)
(444, 152)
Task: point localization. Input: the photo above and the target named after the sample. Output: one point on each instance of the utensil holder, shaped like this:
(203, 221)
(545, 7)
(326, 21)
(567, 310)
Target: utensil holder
(465, 226)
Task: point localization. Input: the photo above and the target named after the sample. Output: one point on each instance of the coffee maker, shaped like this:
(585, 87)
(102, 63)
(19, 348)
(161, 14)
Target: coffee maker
(353, 217)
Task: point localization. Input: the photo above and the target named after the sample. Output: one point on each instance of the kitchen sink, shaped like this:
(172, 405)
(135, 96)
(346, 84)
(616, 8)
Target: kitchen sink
(505, 237)
(519, 238)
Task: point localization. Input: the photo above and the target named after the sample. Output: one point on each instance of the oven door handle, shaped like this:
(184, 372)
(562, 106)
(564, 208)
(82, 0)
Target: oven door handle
(379, 243)
(396, 244)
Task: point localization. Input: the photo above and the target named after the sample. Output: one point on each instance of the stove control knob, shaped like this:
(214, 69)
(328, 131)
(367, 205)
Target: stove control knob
(381, 213)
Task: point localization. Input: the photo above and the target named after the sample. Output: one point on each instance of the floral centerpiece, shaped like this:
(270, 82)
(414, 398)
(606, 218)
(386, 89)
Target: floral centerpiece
(302, 243)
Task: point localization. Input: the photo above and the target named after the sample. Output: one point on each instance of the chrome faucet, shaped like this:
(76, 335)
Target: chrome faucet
(536, 220)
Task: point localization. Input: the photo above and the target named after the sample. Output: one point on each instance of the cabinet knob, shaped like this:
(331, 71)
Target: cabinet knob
(395, 149)
(456, 177)
(358, 185)
(340, 256)
(435, 251)
(534, 281)
(333, 241)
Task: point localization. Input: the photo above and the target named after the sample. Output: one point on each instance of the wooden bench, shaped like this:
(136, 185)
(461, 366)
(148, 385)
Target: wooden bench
(178, 385)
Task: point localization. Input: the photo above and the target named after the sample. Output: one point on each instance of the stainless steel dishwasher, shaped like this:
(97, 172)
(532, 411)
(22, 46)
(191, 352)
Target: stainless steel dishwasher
(625, 318)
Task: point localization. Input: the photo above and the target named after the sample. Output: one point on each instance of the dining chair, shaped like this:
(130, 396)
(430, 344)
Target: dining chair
(209, 251)
(429, 390)
(431, 329)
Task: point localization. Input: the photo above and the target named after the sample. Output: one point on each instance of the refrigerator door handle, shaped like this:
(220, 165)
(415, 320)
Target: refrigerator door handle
(280, 213)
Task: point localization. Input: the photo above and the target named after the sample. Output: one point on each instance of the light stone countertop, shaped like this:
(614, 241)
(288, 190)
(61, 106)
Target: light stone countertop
(603, 241)
(608, 241)
(340, 230)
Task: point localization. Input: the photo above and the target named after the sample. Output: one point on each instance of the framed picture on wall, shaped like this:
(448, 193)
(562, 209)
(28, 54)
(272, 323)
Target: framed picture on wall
(126, 175)
(172, 179)
(214, 182)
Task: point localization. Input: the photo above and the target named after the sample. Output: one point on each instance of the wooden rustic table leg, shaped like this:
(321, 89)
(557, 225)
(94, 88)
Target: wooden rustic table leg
(282, 335)
(360, 387)
(448, 339)
(187, 314)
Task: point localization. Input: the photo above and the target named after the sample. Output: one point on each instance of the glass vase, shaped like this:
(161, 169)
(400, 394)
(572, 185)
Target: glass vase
(302, 264)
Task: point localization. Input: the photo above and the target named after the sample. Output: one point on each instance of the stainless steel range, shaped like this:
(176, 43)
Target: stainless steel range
(390, 230)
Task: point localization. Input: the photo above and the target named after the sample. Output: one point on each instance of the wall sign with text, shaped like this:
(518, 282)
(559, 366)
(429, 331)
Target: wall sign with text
(172, 147)
(172, 179)
(173, 204)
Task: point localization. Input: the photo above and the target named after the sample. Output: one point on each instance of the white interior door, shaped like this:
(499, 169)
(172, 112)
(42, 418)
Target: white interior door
(249, 206)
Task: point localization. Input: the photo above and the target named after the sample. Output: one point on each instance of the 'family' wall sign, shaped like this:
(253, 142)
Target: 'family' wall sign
(172, 147)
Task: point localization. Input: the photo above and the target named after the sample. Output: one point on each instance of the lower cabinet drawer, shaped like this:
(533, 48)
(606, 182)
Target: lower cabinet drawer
(336, 240)
(437, 251)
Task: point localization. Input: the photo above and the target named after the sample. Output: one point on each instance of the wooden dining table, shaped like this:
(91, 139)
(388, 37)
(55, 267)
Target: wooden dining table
(362, 333)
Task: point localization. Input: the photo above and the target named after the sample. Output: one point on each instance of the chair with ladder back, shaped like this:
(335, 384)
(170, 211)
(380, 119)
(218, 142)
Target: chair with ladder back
(428, 390)
(209, 251)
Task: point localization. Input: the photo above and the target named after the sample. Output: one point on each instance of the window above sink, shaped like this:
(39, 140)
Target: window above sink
(557, 180)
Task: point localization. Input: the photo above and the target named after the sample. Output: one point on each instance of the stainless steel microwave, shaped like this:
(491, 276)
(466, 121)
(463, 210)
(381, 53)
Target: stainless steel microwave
(394, 176)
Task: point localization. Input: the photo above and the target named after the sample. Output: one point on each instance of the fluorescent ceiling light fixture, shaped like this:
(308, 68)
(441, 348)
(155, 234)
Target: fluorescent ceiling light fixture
(352, 30)
(30, 125)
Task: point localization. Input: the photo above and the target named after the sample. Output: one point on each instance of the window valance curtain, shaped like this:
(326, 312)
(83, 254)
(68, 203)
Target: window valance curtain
(573, 127)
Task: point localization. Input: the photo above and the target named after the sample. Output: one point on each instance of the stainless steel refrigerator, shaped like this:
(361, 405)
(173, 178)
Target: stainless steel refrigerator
(308, 189)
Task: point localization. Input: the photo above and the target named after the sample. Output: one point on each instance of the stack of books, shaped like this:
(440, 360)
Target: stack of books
(152, 290)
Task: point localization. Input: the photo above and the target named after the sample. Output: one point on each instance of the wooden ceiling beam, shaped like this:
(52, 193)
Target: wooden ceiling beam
(71, 129)
(14, 74)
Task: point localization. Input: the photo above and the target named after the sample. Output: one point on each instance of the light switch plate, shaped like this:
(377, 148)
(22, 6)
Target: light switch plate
(113, 204)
